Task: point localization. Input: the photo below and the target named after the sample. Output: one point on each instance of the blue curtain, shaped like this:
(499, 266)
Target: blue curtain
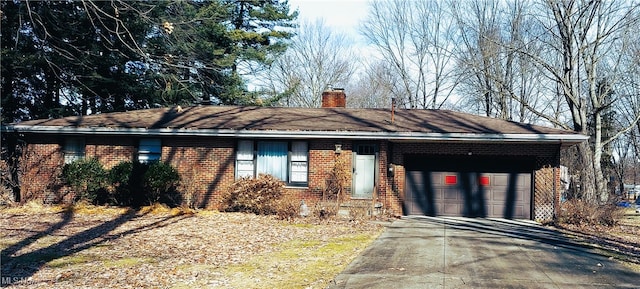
(272, 159)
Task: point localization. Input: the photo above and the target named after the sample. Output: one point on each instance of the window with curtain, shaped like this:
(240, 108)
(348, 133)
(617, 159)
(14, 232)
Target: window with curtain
(272, 159)
(149, 150)
(73, 149)
(287, 161)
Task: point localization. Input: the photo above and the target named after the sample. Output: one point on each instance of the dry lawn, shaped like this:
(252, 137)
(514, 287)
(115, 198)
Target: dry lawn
(621, 241)
(97, 247)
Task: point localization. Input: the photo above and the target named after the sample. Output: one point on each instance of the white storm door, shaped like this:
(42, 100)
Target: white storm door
(364, 175)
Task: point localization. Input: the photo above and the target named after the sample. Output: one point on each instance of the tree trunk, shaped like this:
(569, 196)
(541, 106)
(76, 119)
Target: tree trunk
(587, 190)
(600, 182)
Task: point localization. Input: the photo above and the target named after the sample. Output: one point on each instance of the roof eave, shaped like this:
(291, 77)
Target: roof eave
(564, 139)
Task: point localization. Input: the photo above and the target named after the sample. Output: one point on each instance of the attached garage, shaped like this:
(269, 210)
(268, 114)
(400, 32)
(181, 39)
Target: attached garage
(469, 186)
(404, 162)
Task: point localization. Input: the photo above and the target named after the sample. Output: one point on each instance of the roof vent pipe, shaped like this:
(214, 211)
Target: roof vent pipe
(393, 108)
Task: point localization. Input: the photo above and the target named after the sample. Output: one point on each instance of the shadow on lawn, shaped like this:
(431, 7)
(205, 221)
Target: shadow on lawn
(609, 241)
(23, 266)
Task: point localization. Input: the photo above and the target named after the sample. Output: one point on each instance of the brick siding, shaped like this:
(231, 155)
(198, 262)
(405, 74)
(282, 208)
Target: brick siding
(207, 166)
(111, 151)
(41, 166)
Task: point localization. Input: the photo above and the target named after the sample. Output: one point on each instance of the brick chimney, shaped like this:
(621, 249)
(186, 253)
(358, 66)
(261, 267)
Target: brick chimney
(334, 97)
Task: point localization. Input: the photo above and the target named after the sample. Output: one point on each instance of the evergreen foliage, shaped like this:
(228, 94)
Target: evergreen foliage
(160, 180)
(88, 179)
(126, 184)
(63, 58)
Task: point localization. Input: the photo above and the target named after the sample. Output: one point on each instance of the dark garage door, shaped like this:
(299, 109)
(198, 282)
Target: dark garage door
(470, 187)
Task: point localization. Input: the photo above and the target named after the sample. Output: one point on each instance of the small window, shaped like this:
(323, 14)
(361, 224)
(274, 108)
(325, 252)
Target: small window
(149, 150)
(365, 149)
(73, 149)
(299, 162)
(244, 160)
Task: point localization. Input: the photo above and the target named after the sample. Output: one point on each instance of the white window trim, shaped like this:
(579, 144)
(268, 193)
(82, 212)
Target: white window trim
(246, 162)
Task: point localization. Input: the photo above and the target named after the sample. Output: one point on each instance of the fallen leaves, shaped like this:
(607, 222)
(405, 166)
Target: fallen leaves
(622, 240)
(67, 249)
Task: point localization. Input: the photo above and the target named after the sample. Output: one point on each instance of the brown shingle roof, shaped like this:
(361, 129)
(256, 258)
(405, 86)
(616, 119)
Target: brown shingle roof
(299, 119)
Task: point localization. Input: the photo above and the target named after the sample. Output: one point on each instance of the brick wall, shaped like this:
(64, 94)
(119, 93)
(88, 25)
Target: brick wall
(41, 166)
(111, 151)
(207, 166)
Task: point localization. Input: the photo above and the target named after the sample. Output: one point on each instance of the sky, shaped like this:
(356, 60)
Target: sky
(342, 16)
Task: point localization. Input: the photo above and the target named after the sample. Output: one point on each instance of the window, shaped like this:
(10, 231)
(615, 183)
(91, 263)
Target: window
(149, 150)
(73, 149)
(244, 159)
(287, 161)
(299, 163)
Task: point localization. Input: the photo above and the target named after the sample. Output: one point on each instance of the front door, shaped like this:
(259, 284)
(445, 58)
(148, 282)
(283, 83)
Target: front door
(364, 172)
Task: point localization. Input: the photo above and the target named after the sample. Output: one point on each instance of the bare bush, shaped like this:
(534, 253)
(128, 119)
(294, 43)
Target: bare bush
(7, 184)
(287, 207)
(581, 213)
(326, 209)
(262, 196)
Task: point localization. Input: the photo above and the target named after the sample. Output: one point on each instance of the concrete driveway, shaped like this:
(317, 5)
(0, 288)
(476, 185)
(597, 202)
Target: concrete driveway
(426, 252)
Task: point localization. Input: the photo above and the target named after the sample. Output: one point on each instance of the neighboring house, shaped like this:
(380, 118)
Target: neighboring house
(631, 191)
(410, 162)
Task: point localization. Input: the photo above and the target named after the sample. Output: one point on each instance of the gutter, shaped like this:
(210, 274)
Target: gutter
(564, 139)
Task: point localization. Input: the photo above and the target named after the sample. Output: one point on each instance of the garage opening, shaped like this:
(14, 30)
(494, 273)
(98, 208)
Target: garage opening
(495, 187)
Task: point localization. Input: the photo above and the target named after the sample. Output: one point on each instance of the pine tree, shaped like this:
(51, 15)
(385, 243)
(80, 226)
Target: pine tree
(70, 58)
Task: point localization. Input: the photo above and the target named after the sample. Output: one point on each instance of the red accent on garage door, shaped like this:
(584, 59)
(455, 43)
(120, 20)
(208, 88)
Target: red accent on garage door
(484, 181)
(450, 180)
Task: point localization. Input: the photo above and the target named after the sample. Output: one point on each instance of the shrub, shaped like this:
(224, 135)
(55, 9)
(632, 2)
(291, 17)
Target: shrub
(160, 180)
(121, 177)
(287, 207)
(336, 181)
(326, 209)
(127, 181)
(254, 195)
(7, 184)
(137, 184)
(87, 178)
(578, 212)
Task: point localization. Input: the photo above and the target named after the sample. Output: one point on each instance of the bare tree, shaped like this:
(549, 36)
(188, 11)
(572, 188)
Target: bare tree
(625, 161)
(576, 52)
(317, 58)
(584, 47)
(498, 80)
(414, 38)
(375, 86)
